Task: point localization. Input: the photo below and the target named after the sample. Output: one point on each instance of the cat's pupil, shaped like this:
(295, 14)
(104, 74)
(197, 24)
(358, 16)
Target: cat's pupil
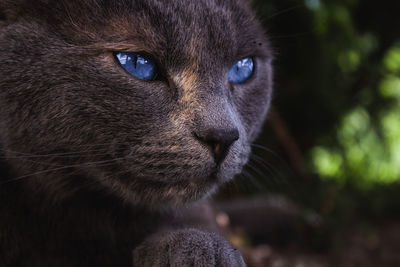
(135, 61)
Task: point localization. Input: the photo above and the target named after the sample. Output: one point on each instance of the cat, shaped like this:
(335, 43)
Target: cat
(118, 119)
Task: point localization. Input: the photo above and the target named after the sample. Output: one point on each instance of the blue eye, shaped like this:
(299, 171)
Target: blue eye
(140, 66)
(241, 71)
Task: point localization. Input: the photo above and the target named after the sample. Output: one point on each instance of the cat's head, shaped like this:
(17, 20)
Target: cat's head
(166, 128)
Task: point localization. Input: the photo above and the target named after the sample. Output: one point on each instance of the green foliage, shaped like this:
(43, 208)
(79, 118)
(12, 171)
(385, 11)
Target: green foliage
(366, 153)
(338, 92)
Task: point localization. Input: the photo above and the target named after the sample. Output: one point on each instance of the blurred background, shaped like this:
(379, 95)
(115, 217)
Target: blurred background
(323, 185)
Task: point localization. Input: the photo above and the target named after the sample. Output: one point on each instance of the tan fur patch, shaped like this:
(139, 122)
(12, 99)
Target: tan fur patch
(127, 35)
(130, 46)
(188, 80)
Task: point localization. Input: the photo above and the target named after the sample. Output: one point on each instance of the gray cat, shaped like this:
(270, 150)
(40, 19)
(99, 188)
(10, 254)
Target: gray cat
(114, 117)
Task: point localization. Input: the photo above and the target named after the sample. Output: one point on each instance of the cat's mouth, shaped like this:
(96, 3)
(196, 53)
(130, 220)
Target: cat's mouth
(165, 171)
(191, 185)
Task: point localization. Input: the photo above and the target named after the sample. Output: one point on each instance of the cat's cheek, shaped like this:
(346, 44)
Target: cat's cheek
(258, 92)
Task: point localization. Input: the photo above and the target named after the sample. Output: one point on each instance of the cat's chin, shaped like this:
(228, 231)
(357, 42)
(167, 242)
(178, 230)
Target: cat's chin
(160, 194)
(173, 195)
(188, 191)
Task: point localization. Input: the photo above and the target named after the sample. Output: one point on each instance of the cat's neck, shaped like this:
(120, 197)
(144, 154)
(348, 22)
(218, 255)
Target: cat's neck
(5, 169)
(85, 215)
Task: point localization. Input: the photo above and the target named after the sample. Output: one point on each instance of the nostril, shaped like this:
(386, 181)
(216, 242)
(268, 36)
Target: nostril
(219, 141)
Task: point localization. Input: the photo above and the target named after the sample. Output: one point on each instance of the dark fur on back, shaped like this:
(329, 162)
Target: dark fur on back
(94, 160)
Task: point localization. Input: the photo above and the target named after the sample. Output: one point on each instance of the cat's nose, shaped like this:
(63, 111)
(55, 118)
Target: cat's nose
(219, 141)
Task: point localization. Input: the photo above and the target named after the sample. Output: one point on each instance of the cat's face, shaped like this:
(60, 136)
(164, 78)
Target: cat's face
(87, 123)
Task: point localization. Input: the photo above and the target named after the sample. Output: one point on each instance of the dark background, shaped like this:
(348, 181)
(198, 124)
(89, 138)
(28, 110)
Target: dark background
(323, 185)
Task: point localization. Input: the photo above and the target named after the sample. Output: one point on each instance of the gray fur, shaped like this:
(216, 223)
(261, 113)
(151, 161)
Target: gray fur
(94, 160)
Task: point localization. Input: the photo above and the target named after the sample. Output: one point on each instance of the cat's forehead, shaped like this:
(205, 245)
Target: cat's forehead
(177, 33)
(204, 30)
(171, 30)
(186, 25)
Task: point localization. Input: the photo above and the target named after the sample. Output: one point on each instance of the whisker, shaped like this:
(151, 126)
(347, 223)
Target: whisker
(276, 156)
(266, 149)
(99, 163)
(255, 180)
(66, 154)
(293, 35)
(256, 170)
(276, 175)
(75, 154)
(286, 10)
(110, 176)
(247, 182)
(41, 163)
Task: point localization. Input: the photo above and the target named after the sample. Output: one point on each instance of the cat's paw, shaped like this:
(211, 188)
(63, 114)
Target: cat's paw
(189, 247)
